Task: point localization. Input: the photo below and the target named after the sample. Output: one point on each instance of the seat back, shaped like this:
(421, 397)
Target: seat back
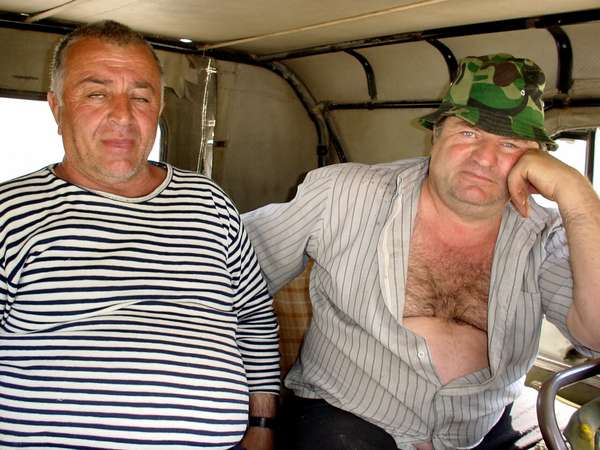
(293, 309)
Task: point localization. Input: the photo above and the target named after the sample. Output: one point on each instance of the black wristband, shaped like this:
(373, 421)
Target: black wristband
(262, 422)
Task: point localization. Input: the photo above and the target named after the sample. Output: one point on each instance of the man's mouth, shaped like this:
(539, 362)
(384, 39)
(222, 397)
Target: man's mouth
(124, 143)
(478, 176)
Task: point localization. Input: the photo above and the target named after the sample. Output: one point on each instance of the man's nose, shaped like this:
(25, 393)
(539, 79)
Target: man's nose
(120, 109)
(485, 152)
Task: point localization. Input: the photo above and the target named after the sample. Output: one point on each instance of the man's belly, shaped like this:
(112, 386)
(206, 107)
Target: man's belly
(148, 374)
(457, 348)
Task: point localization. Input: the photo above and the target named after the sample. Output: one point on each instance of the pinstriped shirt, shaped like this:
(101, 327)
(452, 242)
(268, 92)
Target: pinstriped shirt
(356, 222)
(129, 322)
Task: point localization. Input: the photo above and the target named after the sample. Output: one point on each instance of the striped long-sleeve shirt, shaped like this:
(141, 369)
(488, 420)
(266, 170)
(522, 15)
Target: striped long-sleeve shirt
(129, 322)
(356, 222)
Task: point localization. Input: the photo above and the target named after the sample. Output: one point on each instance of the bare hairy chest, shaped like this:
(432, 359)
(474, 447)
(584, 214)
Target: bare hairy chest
(449, 284)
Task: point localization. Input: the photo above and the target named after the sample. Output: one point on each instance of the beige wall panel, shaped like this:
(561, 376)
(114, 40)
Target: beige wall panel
(586, 59)
(270, 140)
(335, 77)
(411, 71)
(25, 59)
(382, 135)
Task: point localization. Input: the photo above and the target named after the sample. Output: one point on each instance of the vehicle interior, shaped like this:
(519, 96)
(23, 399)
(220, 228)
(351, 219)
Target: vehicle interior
(259, 93)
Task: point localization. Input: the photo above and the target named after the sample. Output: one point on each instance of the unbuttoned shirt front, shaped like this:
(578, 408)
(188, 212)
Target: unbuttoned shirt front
(356, 222)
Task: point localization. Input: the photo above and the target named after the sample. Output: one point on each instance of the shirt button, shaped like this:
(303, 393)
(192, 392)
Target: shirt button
(421, 354)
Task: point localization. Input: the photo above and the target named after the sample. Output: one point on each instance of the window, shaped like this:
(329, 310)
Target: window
(577, 148)
(30, 140)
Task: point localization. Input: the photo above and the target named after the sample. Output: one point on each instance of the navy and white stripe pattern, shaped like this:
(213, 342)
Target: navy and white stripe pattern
(356, 222)
(129, 323)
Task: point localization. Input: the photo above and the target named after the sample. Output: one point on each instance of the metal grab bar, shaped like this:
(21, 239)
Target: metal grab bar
(551, 433)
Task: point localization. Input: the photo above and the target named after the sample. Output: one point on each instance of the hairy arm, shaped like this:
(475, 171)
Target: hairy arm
(258, 438)
(579, 206)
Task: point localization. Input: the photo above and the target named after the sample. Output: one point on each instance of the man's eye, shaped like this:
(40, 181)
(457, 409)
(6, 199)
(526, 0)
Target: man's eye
(510, 146)
(97, 95)
(141, 99)
(468, 133)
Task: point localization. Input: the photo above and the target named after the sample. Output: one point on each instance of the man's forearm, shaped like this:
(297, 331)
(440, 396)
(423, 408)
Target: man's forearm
(579, 207)
(263, 405)
(261, 438)
(582, 224)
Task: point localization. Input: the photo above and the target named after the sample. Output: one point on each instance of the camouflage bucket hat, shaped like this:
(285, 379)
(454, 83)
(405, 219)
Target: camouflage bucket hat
(500, 94)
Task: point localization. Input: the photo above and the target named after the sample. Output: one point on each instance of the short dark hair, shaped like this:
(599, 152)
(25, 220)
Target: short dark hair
(106, 30)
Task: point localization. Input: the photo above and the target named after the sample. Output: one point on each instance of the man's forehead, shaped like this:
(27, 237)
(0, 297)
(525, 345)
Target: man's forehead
(96, 80)
(93, 59)
(457, 122)
(93, 49)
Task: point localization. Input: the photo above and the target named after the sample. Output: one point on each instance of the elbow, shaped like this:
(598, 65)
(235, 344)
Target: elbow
(584, 328)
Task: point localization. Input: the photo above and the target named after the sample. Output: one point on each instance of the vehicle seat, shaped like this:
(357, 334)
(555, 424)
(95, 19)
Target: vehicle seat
(293, 309)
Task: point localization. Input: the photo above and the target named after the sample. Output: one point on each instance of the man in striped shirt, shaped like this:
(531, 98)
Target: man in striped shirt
(133, 313)
(432, 275)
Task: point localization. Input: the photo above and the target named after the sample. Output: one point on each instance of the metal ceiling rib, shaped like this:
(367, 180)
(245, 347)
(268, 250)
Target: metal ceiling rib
(544, 21)
(369, 73)
(565, 56)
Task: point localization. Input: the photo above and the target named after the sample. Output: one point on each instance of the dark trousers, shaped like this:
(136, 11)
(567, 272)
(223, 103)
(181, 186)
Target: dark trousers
(316, 425)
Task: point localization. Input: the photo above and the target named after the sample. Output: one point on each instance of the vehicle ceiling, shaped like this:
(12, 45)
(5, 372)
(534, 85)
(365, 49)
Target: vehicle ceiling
(361, 71)
(262, 27)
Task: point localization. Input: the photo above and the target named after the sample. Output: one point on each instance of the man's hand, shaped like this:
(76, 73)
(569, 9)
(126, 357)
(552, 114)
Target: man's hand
(537, 172)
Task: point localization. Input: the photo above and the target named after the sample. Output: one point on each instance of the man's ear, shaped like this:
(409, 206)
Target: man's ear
(54, 107)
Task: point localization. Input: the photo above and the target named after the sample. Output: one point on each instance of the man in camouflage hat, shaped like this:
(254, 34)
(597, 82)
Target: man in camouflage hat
(432, 275)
